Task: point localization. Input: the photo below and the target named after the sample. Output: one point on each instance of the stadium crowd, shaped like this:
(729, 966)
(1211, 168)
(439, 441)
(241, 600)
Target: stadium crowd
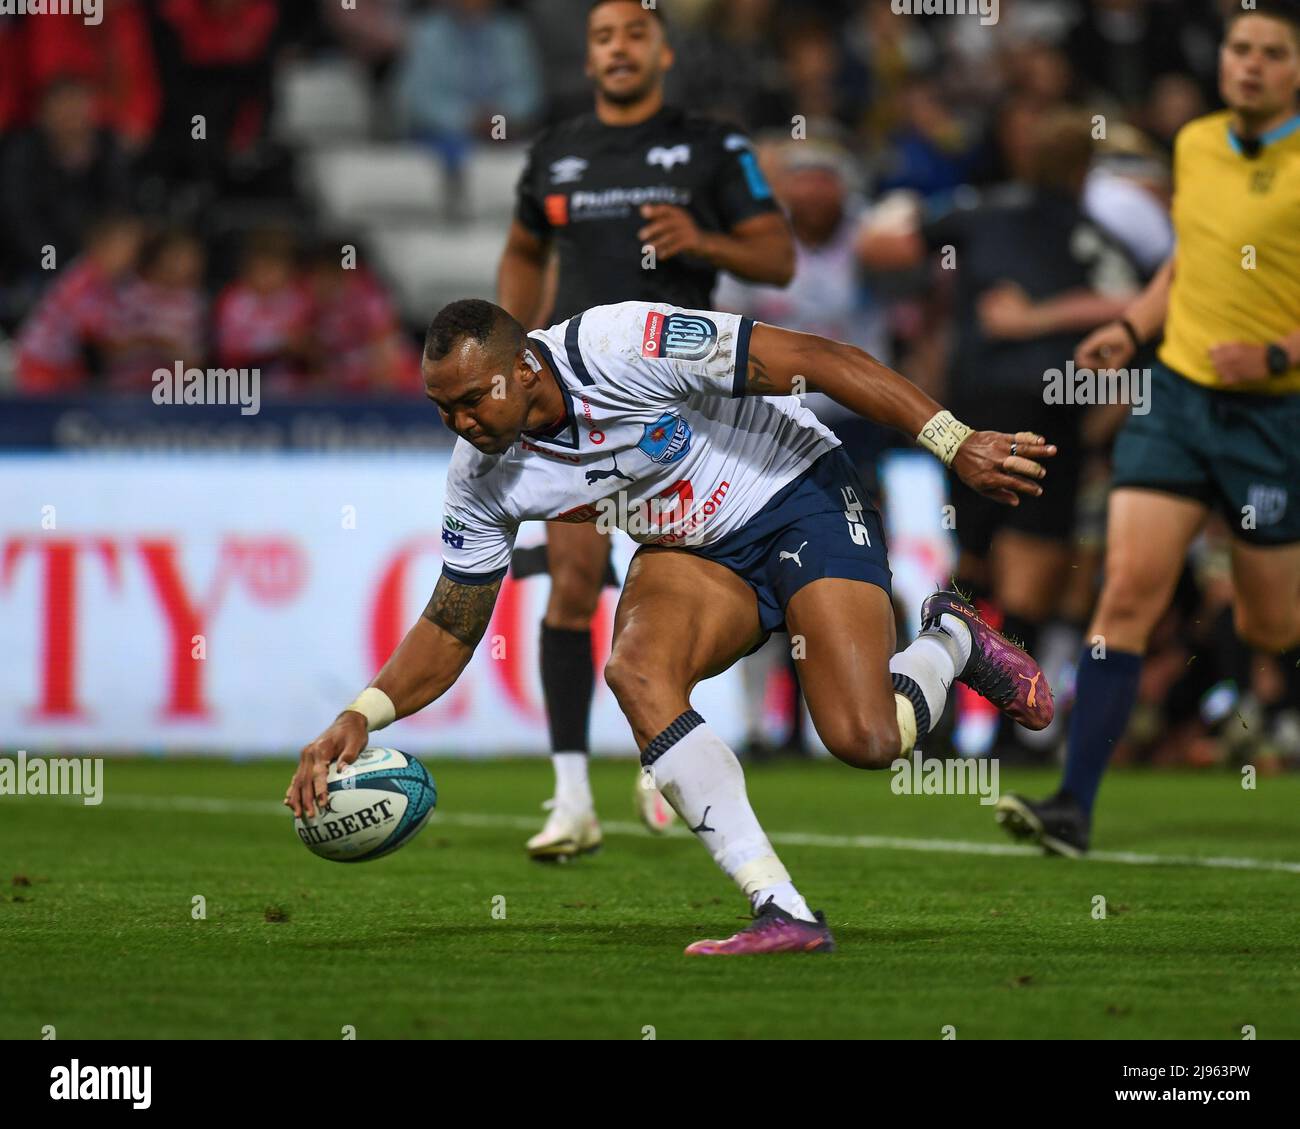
(154, 216)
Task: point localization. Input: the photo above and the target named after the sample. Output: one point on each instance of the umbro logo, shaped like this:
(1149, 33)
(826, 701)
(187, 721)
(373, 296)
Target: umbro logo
(667, 156)
(568, 170)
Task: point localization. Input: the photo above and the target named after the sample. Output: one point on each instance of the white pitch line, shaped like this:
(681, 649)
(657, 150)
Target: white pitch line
(205, 805)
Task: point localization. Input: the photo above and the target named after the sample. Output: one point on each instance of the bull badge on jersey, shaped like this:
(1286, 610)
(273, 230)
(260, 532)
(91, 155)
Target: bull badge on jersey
(666, 440)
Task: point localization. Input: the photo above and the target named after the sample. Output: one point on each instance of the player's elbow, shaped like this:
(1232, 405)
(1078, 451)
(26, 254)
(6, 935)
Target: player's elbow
(783, 264)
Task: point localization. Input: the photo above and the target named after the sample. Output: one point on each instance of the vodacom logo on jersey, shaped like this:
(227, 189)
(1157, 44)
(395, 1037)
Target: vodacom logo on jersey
(651, 339)
(594, 433)
(668, 518)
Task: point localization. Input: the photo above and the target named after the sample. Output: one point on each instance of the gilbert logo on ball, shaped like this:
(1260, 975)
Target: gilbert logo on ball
(375, 805)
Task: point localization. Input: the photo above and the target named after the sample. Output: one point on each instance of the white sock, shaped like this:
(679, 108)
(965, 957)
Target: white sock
(702, 779)
(933, 661)
(572, 787)
(954, 627)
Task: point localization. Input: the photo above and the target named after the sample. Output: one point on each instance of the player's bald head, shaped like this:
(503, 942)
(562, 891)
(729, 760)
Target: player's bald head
(474, 328)
(480, 373)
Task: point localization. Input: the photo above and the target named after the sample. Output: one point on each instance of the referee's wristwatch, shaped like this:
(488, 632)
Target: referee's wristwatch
(1279, 360)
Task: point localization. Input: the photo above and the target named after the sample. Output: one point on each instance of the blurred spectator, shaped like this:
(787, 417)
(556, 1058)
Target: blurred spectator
(933, 151)
(467, 63)
(555, 24)
(1128, 193)
(731, 67)
(1012, 157)
(1175, 100)
(828, 296)
(1130, 44)
(216, 58)
(813, 180)
(976, 56)
(263, 318)
(356, 332)
(65, 337)
(890, 50)
(161, 313)
(1041, 73)
(56, 177)
(826, 85)
(114, 57)
(373, 32)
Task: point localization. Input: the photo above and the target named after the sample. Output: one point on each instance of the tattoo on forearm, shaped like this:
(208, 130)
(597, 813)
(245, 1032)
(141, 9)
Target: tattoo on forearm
(462, 610)
(758, 382)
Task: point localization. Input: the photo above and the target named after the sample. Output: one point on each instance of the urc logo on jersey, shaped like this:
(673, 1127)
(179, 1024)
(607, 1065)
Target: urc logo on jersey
(680, 337)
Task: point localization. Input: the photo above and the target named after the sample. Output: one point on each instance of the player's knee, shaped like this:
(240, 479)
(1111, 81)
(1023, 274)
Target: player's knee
(865, 743)
(1266, 630)
(628, 677)
(574, 595)
(1128, 607)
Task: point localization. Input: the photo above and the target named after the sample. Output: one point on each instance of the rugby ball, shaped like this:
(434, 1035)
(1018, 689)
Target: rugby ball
(376, 804)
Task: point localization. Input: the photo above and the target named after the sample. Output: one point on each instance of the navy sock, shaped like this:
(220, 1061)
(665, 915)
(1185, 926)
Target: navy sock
(568, 683)
(1105, 693)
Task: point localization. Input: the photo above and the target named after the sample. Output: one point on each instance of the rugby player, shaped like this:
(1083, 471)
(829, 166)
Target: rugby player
(599, 190)
(750, 517)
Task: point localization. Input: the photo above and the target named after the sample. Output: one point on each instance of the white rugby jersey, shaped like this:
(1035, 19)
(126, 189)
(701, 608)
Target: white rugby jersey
(659, 440)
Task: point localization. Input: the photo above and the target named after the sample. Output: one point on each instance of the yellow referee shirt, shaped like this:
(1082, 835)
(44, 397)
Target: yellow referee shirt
(1237, 222)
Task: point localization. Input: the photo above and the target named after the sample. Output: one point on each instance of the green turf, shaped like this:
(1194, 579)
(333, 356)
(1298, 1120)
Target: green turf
(98, 940)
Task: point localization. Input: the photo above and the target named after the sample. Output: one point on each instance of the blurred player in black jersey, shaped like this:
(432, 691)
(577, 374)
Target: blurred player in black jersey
(1034, 275)
(637, 201)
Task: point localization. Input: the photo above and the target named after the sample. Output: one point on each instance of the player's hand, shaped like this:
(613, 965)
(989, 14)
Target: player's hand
(1239, 363)
(671, 231)
(985, 463)
(342, 741)
(1107, 347)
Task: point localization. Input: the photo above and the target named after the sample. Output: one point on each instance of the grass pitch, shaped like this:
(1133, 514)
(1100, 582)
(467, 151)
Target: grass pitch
(99, 938)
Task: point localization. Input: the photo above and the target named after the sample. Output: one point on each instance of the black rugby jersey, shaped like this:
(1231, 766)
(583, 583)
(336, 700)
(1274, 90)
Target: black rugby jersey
(584, 185)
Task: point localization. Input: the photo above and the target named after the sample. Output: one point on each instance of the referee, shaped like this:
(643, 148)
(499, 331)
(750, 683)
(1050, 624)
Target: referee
(1223, 432)
(638, 201)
